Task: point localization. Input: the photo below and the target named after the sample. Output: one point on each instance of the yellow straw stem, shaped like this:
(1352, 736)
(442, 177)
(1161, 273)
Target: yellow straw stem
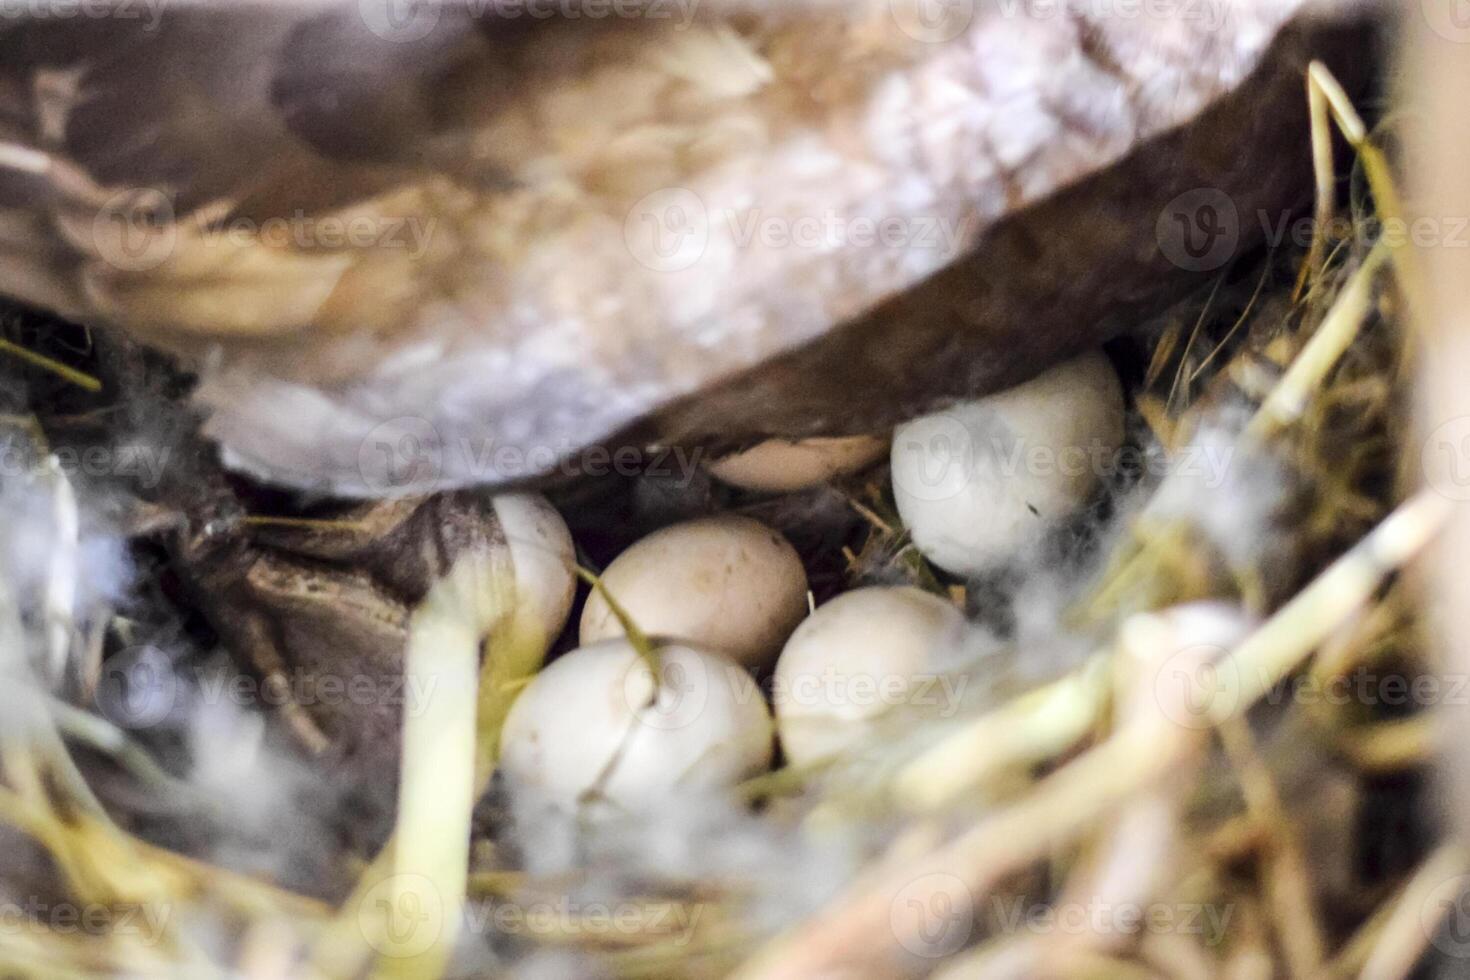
(79, 378)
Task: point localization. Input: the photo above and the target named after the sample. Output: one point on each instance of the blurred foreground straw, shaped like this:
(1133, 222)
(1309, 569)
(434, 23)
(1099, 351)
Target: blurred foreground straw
(1435, 91)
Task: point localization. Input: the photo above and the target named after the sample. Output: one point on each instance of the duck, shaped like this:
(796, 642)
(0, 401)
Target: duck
(409, 246)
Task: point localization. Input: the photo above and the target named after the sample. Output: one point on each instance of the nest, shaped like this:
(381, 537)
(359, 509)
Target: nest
(1101, 807)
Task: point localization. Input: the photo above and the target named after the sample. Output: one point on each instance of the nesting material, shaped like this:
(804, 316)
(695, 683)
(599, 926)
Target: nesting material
(597, 727)
(981, 482)
(476, 602)
(1209, 749)
(782, 466)
(859, 657)
(725, 583)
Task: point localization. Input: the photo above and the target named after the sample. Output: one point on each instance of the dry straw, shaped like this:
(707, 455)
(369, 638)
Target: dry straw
(1082, 790)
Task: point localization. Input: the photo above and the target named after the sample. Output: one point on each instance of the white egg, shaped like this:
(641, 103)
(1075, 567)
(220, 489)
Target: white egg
(594, 720)
(980, 482)
(780, 466)
(862, 656)
(723, 583)
(544, 557)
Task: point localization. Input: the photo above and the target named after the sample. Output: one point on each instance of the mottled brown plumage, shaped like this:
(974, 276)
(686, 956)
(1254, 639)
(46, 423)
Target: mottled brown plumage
(452, 249)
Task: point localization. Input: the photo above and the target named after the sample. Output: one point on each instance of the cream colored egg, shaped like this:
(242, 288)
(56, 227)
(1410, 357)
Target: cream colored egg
(861, 657)
(544, 557)
(594, 728)
(781, 466)
(725, 583)
(982, 481)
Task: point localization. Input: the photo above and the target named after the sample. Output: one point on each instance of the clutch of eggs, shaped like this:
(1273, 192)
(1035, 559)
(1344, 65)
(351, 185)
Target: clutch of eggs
(975, 485)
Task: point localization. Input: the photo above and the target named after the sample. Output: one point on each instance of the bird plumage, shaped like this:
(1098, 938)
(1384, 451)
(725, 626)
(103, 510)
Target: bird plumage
(510, 237)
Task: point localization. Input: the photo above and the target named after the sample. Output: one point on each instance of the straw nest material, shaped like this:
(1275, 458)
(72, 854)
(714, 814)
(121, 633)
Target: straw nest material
(1098, 802)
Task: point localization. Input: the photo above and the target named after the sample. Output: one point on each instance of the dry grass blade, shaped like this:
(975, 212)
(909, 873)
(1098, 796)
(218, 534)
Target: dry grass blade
(1291, 396)
(63, 371)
